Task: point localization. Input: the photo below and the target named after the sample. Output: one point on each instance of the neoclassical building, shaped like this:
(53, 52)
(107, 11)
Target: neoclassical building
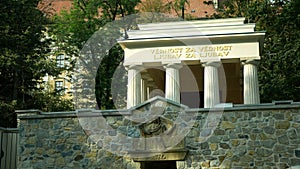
(196, 63)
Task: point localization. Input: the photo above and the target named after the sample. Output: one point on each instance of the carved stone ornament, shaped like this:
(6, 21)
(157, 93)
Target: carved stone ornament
(158, 122)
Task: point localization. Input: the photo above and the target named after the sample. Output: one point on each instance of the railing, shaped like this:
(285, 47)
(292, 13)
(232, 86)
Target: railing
(8, 148)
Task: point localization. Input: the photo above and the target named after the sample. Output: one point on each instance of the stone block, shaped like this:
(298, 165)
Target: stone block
(283, 139)
(219, 132)
(214, 139)
(253, 136)
(224, 146)
(241, 150)
(60, 161)
(91, 154)
(297, 118)
(268, 143)
(282, 124)
(263, 136)
(295, 161)
(292, 134)
(251, 152)
(204, 146)
(263, 152)
(234, 142)
(226, 164)
(206, 152)
(235, 158)
(279, 148)
(205, 164)
(269, 130)
(227, 125)
(213, 146)
(256, 130)
(278, 116)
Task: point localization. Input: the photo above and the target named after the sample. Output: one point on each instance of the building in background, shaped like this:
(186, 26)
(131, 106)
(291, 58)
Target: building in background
(63, 83)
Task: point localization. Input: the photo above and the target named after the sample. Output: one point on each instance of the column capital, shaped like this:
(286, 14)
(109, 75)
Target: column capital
(250, 61)
(175, 65)
(137, 67)
(212, 63)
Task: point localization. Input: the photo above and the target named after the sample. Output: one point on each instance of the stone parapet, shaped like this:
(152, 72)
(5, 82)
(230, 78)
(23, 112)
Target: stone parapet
(247, 136)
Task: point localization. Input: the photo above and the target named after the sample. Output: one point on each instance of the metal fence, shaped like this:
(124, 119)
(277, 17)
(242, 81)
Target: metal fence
(8, 148)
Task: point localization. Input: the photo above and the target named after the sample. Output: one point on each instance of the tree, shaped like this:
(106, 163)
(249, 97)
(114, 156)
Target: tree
(280, 62)
(73, 30)
(23, 55)
(180, 4)
(155, 6)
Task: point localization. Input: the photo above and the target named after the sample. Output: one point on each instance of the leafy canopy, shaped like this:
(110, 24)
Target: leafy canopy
(24, 49)
(280, 62)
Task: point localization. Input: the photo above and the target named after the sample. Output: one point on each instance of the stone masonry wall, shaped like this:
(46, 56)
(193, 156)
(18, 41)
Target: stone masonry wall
(246, 137)
(249, 139)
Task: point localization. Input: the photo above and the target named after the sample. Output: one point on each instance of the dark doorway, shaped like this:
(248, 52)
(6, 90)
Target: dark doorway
(159, 165)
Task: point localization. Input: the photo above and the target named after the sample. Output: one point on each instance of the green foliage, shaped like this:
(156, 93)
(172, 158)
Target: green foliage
(74, 30)
(155, 6)
(51, 101)
(104, 76)
(280, 62)
(75, 27)
(8, 117)
(24, 60)
(179, 7)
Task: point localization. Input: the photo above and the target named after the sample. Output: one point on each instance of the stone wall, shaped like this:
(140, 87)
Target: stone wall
(250, 139)
(261, 136)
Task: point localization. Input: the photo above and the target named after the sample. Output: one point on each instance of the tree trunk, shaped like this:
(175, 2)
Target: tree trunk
(16, 86)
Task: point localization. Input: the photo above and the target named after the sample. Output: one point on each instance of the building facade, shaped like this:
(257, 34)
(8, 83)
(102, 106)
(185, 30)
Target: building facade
(196, 60)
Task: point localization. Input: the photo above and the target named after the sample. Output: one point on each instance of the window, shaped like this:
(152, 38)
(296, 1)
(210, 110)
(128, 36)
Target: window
(59, 86)
(60, 61)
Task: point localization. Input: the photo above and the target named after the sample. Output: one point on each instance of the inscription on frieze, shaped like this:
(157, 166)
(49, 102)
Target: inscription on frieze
(191, 52)
(195, 52)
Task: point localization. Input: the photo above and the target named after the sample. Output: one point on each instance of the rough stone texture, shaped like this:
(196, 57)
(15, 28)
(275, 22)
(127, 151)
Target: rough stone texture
(243, 138)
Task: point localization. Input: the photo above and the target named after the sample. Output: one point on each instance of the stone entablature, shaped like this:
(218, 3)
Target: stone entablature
(191, 28)
(201, 53)
(247, 136)
(193, 40)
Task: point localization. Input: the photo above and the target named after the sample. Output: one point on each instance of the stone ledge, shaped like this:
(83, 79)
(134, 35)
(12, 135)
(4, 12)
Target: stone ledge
(9, 130)
(172, 155)
(37, 114)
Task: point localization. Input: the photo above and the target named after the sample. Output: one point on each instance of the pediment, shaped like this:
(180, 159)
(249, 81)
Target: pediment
(162, 125)
(153, 108)
(160, 101)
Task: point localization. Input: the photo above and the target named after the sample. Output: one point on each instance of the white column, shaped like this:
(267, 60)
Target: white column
(251, 90)
(211, 84)
(134, 85)
(143, 90)
(145, 82)
(172, 85)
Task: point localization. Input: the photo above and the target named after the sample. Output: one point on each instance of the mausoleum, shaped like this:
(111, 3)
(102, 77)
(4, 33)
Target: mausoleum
(183, 59)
